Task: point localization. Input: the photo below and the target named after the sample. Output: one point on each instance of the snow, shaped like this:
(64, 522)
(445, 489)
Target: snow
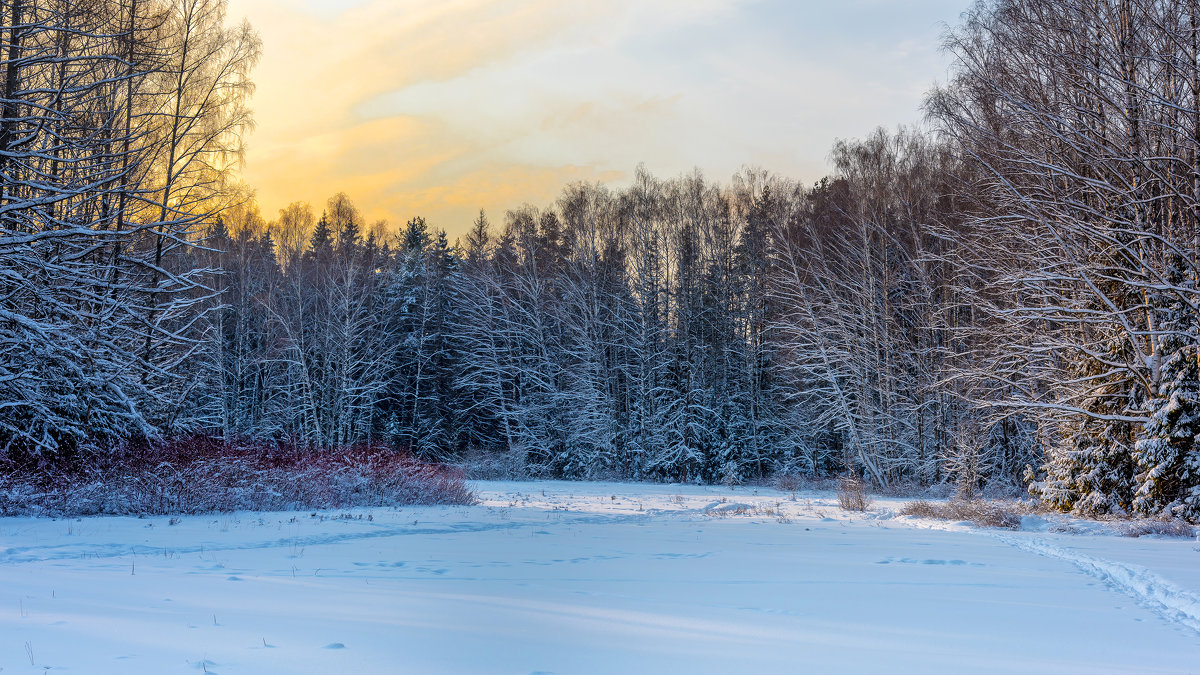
(592, 578)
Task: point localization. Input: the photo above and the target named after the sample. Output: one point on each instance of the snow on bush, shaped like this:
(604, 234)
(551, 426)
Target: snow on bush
(200, 474)
(1160, 528)
(981, 512)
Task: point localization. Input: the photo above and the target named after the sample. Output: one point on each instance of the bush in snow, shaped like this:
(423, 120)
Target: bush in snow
(1161, 528)
(200, 474)
(852, 494)
(788, 482)
(981, 512)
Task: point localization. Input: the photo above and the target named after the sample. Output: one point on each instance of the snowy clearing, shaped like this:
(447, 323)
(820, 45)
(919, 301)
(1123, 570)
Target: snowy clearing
(592, 577)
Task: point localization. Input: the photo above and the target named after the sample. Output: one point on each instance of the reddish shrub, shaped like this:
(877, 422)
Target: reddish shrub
(198, 474)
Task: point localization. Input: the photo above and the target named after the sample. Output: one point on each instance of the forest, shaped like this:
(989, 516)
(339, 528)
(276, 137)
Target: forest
(1006, 296)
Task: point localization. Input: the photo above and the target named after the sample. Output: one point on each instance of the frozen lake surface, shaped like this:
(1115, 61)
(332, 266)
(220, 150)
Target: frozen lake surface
(557, 577)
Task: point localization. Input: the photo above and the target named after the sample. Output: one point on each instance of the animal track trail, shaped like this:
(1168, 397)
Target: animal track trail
(1171, 602)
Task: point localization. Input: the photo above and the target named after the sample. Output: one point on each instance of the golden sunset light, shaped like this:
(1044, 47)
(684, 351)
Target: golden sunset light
(442, 108)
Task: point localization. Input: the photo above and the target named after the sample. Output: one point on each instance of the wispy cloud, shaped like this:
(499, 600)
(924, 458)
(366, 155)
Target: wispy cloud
(440, 108)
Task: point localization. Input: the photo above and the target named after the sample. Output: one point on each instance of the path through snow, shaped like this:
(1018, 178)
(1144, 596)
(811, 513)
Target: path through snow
(1152, 591)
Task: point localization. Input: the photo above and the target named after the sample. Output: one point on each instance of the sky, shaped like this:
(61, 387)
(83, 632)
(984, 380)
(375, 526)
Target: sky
(439, 108)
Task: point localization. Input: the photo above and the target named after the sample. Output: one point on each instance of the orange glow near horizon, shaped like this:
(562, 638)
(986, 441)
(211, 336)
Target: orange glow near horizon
(441, 108)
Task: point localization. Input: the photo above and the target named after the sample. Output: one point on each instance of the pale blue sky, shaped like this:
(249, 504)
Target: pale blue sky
(440, 108)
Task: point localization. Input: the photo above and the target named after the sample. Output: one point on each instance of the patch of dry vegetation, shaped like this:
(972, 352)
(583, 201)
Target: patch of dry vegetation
(788, 482)
(1162, 528)
(852, 494)
(199, 474)
(982, 512)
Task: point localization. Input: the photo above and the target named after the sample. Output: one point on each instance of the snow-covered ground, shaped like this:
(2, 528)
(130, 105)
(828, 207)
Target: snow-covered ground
(592, 578)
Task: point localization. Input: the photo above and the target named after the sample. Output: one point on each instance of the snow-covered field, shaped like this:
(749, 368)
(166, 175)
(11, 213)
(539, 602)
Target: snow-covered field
(592, 578)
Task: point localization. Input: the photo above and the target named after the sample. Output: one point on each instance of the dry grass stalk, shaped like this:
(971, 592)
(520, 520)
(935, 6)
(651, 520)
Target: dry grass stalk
(852, 494)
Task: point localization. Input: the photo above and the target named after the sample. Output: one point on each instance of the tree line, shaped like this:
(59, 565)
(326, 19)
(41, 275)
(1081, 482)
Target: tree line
(120, 124)
(1006, 296)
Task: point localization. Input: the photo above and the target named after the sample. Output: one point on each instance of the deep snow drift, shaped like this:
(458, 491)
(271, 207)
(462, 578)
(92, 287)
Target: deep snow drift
(591, 577)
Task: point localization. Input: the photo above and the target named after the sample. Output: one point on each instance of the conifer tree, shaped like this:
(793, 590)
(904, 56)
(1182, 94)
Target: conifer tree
(1167, 453)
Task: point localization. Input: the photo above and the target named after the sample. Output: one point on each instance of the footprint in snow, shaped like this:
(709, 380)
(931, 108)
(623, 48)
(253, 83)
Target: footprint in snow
(928, 561)
(335, 645)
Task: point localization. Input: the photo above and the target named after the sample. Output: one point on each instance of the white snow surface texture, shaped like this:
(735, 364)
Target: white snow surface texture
(556, 577)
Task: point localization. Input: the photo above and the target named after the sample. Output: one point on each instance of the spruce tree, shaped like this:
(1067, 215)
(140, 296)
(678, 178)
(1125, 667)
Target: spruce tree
(1167, 454)
(1092, 472)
